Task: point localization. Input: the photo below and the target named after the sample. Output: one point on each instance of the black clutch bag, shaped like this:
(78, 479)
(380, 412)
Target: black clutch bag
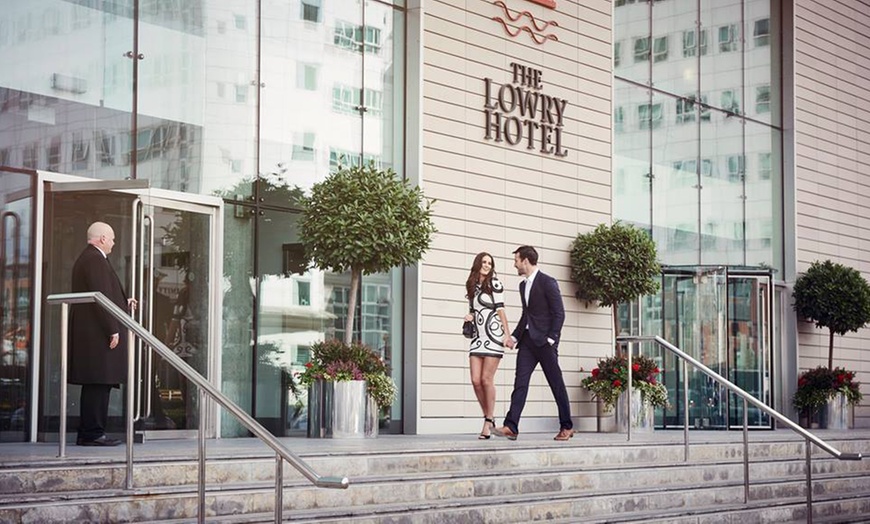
(469, 330)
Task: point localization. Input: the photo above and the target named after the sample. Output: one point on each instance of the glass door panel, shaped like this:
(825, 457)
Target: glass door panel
(749, 299)
(164, 256)
(694, 317)
(174, 287)
(16, 236)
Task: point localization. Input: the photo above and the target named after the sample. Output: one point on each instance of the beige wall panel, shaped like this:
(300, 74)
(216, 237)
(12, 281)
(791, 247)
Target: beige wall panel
(493, 196)
(833, 167)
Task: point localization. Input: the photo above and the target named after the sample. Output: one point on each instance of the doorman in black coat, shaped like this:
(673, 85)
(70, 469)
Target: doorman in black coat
(97, 341)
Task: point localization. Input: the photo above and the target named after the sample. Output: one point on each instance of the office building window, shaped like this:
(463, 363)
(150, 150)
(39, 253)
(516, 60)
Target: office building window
(765, 168)
(303, 146)
(240, 22)
(761, 33)
(660, 49)
(686, 109)
(728, 38)
(311, 10)
(735, 168)
(80, 152)
(353, 37)
(649, 115)
(691, 44)
(618, 119)
(30, 160)
(762, 99)
(241, 94)
(641, 49)
(730, 101)
(617, 51)
(52, 153)
(306, 76)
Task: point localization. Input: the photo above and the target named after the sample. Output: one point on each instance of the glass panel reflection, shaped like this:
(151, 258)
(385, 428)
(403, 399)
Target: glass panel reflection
(762, 60)
(675, 181)
(16, 236)
(313, 95)
(66, 91)
(631, 149)
(632, 42)
(723, 196)
(238, 312)
(197, 97)
(677, 46)
(763, 195)
(722, 66)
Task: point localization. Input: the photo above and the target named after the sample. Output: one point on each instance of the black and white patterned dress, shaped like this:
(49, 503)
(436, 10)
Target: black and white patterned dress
(490, 331)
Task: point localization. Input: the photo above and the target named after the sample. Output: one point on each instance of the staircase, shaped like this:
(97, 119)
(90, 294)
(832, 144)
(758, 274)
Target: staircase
(448, 479)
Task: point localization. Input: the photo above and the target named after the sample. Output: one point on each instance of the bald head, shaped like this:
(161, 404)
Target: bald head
(102, 236)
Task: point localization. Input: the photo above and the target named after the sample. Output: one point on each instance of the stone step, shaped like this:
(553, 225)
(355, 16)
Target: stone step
(534, 498)
(72, 475)
(45, 484)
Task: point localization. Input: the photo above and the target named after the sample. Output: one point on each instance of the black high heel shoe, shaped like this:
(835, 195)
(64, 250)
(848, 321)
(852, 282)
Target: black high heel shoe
(486, 437)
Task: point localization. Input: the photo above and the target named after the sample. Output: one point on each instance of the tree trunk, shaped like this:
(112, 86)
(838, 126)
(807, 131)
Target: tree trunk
(351, 304)
(615, 316)
(831, 349)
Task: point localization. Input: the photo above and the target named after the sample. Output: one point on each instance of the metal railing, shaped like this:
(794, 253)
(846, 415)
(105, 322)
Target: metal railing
(205, 390)
(629, 340)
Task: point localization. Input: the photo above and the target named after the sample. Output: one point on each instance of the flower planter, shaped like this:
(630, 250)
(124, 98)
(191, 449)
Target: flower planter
(341, 409)
(605, 420)
(837, 413)
(642, 415)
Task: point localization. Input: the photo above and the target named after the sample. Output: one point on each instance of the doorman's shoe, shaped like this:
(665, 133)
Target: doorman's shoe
(564, 434)
(102, 441)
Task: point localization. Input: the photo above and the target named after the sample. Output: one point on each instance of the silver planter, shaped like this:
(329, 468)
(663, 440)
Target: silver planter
(838, 413)
(606, 420)
(642, 416)
(341, 409)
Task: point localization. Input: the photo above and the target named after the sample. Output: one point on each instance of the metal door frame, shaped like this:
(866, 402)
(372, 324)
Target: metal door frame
(191, 202)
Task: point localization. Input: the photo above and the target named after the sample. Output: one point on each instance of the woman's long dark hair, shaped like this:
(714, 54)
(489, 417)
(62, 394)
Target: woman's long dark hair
(474, 276)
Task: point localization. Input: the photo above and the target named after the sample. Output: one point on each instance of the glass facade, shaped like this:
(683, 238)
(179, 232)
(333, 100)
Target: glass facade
(697, 132)
(252, 102)
(698, 163)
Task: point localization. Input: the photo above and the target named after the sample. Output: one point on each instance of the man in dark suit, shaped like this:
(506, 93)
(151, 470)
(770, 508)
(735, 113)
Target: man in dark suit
(97, 341)
(537, 336)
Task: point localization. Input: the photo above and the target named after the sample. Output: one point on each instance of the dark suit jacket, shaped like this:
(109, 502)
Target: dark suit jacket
(544, 314)
(90, 327)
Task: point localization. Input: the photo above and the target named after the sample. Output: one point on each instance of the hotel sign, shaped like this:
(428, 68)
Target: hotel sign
(520, 113)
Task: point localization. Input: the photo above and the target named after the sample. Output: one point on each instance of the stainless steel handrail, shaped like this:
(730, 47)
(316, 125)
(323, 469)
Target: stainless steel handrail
(747, 399)
(204, 387)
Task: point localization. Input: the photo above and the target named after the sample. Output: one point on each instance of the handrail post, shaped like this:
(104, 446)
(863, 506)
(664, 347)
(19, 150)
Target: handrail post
(745, 452)
(685, 410)
(64, 332)
(131, 386)
(630, 349)
(200, 436)
(809, 453)
(279, 489)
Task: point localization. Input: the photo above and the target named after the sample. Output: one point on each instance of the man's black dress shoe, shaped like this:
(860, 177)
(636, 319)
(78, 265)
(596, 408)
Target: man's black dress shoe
(102, 441)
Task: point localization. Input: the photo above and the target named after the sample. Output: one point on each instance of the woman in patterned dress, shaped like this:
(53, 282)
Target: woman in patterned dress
(486, 308)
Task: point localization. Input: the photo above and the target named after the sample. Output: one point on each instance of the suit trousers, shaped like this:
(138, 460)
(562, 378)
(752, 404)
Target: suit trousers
(528, 358)
(94, 411)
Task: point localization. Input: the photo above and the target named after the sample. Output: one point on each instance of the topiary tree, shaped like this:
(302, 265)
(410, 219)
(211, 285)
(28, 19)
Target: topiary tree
(832, 296)
(366, 220)
(614, 264)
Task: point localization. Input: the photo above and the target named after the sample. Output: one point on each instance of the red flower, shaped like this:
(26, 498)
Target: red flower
(595, 372)
(841, 378)
(656, 371)
(309, 365)
(617, 383)
(635, 367)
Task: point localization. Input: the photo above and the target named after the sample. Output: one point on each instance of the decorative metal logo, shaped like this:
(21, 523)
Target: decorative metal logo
(514, 26)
